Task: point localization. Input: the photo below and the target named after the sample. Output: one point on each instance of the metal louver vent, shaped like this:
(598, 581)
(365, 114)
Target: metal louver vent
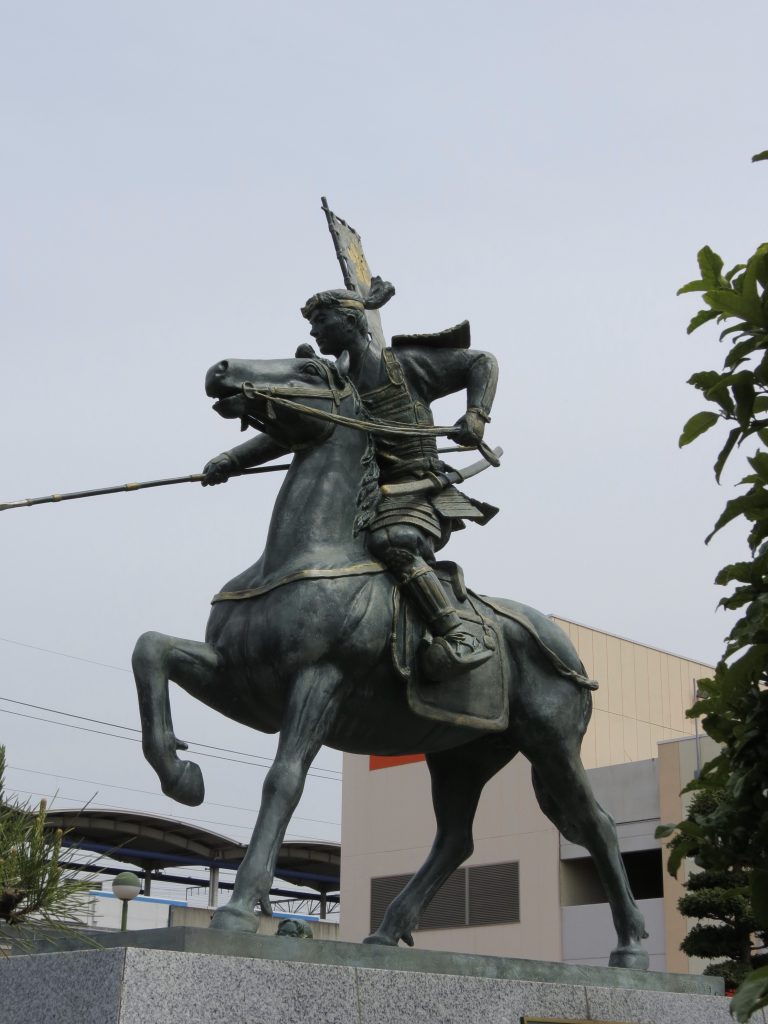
(383, 891)
(448, 908)
(481, 895)
(494, 893)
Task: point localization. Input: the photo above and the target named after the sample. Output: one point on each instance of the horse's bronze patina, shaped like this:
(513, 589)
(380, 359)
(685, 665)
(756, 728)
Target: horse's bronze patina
(397, 385)
(309, 657)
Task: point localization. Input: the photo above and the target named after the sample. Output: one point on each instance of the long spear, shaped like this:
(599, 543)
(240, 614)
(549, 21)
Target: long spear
(143, 485)
(195, 478)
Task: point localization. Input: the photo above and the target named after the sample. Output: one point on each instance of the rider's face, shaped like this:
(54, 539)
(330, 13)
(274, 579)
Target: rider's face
(334, 330)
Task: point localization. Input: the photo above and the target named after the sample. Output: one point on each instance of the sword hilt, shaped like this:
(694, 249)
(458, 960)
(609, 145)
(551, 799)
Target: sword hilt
(488, 454)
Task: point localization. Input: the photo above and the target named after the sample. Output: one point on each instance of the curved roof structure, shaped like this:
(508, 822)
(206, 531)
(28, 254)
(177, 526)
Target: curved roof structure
(154, 841)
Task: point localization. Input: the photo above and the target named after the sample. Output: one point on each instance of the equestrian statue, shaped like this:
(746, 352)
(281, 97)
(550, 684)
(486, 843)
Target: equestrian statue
(348, 632)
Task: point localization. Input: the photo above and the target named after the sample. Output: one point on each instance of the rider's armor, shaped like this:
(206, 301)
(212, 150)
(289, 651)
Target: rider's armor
(412, 457)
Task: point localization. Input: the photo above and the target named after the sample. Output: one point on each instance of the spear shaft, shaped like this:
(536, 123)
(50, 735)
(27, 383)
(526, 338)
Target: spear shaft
(143, 485)
(195, 478)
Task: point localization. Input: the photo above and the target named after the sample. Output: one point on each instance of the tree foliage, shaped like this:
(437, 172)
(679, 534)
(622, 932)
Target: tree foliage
(733, 834)
(734, 704)
(35, 889)
(726, 929)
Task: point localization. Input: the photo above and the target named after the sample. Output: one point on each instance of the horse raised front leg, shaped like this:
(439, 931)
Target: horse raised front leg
(158, 658)
(565, 796)
(312, 707)
(458, 778)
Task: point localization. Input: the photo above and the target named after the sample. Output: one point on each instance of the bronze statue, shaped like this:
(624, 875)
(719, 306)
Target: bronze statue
(398, 385)
(312, 640)
(294, 928)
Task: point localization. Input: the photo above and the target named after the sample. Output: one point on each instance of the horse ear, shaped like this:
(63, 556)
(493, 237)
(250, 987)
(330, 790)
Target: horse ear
(342, 364)
(305, 351)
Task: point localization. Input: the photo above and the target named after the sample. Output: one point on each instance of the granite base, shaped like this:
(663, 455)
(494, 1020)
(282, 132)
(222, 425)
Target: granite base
(278, 981)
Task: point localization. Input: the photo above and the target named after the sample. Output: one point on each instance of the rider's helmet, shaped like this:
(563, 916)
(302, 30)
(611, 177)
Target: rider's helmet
(344, 298)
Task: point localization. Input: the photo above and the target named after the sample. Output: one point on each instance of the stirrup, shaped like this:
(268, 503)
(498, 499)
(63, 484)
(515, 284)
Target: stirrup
(453, 654)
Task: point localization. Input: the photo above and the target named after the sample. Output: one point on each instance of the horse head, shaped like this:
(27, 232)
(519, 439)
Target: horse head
(293, 400)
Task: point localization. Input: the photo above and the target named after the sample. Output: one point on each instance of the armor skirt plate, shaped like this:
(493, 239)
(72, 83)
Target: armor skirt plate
(426, 512)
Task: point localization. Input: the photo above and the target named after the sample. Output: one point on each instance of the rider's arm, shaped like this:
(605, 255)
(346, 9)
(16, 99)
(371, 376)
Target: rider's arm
(255, 451)
(437, 372)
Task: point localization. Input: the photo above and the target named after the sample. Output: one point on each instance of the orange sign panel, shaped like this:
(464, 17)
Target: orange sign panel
(382, 761)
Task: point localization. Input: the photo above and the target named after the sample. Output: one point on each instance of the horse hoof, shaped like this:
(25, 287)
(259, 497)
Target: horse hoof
(233, 919)
(633, 957)
(379, 939)
(188, 786)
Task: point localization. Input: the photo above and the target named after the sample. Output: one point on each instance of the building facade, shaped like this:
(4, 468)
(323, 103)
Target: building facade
(525, 891)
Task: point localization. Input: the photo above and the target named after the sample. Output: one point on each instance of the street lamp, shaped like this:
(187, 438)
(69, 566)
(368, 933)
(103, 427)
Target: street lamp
(126, 886)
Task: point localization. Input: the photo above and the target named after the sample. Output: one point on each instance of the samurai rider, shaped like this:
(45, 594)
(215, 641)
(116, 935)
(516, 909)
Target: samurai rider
(398, 384)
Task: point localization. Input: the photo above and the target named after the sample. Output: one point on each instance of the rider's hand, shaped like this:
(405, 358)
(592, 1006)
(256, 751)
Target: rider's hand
(469, 429)
(218, 470)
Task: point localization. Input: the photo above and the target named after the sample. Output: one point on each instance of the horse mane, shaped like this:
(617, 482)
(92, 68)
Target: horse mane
(369, 494)
(338, 380)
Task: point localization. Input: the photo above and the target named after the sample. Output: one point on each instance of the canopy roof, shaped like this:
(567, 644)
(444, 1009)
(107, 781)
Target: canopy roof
(156, 842)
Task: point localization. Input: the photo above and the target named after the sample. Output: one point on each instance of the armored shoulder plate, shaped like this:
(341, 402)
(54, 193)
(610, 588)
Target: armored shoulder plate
(454, 337)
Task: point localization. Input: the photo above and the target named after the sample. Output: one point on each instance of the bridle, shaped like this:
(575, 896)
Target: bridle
(278, 395)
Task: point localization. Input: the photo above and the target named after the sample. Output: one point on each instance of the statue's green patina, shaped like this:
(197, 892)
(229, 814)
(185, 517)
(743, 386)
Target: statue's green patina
(397, 385)
(302, 641)
(294, 928)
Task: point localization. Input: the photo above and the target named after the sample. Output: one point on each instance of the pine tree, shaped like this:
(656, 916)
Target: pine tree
(35, 890)
(720, 900)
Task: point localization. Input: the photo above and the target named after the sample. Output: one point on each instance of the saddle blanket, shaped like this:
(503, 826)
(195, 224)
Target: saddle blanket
(477, 698)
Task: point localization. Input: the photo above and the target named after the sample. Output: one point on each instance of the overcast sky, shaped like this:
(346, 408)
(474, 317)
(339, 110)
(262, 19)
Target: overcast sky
(547, 170)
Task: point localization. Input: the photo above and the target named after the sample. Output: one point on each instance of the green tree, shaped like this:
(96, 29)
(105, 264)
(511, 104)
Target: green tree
(733, 834)
(726, 929)
(35, 890)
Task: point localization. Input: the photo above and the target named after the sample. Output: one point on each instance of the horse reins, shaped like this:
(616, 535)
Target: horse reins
(272, 394)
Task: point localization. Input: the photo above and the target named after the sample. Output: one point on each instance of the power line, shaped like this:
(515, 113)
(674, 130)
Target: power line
(133, 739)
(149, 792)
(117, 807)
(80, 728)
(82, 718)
(115, 725)
(256, 761)
(61, 654)
(132, 810)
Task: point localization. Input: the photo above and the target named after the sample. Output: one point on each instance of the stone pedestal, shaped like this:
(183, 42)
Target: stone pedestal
(195, 976)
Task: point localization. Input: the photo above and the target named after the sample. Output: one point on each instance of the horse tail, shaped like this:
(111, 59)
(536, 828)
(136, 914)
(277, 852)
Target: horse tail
(552, 642)
(586, 707)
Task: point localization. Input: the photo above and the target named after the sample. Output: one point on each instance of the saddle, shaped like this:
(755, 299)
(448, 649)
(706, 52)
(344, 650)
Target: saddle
(477, 698)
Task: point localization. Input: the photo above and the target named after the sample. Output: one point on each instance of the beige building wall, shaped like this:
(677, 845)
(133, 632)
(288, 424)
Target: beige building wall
(388, 823)
(388, 828)
(679, 763)
(643, 695)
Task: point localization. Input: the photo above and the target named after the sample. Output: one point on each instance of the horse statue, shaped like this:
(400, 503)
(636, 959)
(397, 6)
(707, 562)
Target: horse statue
(300, 644)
